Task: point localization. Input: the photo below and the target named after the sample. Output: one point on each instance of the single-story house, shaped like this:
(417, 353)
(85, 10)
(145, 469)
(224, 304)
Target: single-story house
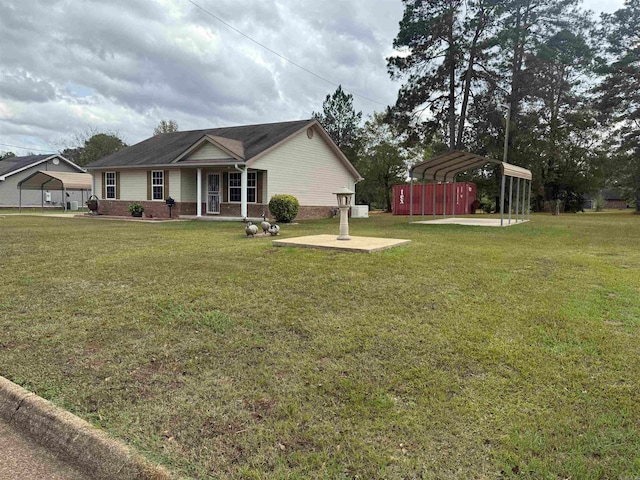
(612, 199)
(230, 171)
(13, 170)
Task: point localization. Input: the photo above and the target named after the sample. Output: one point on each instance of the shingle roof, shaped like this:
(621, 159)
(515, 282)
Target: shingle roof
(164, 148)
(11, 164)
(612, 195)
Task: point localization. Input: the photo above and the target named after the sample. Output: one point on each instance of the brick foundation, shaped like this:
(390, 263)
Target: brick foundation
(160, 209)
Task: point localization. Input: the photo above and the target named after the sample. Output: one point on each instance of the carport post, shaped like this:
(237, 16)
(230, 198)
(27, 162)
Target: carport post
(411, 198)
(524, 196)
(42, 198)
(530, 181)
(454, 198)
(517, 199)
(424, 190)
(502, 201)
(64, 199)
(444, 198)
(20, 199)
(434, 197)
(510, 196)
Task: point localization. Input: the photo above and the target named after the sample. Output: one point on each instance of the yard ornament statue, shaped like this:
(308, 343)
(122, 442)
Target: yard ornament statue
(344, 204)
(265, 225)
(251, 229)
(274, 229)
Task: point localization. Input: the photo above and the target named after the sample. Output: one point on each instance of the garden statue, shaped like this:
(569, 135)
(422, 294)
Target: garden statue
(274, 229)
(251, 229)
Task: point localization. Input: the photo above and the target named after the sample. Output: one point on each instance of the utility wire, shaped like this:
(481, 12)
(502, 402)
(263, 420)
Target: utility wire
(27, 148)
(280, 55)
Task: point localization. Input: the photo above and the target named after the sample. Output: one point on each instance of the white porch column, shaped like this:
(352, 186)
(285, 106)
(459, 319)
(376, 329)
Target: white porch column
(199, 194)
(244, 177)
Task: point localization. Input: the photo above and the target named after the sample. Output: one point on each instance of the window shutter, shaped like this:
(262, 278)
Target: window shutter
(165, 179)
(117, 185)
(149, 185)
(104, 186)
(225, 182)
(259, 187)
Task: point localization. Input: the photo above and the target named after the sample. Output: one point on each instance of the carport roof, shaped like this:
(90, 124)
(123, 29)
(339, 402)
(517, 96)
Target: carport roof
(447, 165)
(56, 181)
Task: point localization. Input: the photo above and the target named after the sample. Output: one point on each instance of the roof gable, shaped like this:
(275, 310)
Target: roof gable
(211, 147)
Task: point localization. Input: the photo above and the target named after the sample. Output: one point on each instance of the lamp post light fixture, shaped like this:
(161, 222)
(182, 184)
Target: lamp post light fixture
(344, 203)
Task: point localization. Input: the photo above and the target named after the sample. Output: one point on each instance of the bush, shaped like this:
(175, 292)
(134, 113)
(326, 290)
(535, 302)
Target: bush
(136, 208)
(284, 207)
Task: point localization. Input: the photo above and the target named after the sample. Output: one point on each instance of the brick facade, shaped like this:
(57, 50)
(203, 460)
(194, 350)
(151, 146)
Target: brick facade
(619, 204)
(160, 209)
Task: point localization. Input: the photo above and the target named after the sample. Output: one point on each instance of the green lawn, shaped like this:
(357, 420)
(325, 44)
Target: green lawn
(470, 353)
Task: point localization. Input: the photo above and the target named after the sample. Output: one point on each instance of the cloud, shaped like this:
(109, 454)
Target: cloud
(124, 64)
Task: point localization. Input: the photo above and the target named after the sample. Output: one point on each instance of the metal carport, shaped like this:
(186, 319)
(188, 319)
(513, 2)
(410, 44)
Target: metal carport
(62, 181)
(446, 166)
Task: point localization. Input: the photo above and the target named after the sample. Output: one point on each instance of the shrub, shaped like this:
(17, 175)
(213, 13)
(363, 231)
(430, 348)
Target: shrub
(284, 207)
(136, 208)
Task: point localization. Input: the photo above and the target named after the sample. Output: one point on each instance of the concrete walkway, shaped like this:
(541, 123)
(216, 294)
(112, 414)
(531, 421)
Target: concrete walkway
(21, 458)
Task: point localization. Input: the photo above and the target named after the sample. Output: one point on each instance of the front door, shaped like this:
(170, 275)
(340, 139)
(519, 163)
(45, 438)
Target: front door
(213, 193)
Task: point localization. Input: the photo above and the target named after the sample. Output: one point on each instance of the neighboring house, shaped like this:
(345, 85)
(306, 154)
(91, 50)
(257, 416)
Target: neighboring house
(15, 169)
(612, 199)
(231, 171)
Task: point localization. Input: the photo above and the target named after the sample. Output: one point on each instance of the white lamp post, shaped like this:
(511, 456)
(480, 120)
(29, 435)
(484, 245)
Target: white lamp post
(344, 203)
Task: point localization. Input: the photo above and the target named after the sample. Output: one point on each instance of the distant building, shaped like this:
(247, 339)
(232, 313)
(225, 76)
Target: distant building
(15, 169)
(613, 199)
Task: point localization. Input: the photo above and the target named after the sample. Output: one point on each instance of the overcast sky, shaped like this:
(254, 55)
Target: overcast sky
(122, 65)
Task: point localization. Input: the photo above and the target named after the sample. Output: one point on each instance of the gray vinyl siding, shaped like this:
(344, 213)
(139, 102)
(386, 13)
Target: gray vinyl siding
(189, 185)
(207, 152)
(10, 194)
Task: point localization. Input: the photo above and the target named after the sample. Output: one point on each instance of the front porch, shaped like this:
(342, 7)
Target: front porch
(220, 218)
(227, 192)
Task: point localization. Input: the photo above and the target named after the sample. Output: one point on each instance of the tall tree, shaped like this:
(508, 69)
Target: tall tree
(559, 110)
(443, 46)
(382, 162)
(619, 94)
(98, 146)
(166, 126)
(4, 155)
(341, 121)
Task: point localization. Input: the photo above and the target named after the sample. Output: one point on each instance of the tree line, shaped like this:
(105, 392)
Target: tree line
(567, 85)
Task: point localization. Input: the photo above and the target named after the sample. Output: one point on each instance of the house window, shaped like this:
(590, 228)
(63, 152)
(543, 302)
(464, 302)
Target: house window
(157, 185)
(110, 184)
(235, 187)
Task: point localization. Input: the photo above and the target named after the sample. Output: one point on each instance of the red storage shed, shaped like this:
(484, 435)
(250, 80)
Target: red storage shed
(463, 196)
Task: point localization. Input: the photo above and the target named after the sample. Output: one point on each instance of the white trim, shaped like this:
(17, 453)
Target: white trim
(156, 185)
(253, 172)
(199, 193)
(3, 177)
(107, 185)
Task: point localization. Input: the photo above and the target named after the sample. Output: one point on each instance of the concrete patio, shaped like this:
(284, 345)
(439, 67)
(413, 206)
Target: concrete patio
(330, 242)
(476, 222)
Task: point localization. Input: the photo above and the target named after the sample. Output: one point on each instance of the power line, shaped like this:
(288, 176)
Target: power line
(280, 55)
(27, 148)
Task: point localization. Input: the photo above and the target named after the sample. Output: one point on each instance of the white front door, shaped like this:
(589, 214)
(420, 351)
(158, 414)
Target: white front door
(213, 193)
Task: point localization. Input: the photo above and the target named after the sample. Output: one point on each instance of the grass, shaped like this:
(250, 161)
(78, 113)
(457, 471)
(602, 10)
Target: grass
(470, 353)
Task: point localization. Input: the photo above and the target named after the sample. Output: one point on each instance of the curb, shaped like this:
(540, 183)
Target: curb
(76, 441)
